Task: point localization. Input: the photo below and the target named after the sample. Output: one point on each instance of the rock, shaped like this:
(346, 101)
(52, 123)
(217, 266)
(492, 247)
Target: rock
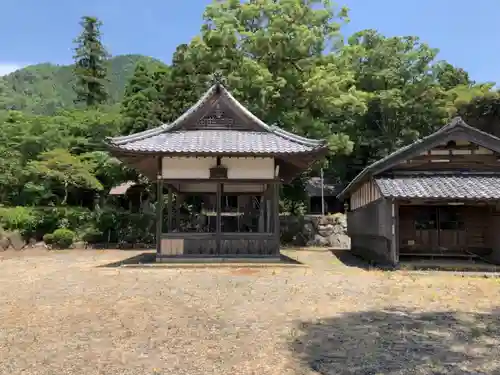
(323, 220)
(341, 220)
(16, 240)
(39, 245)
(325, 230)
(4, 243)
(338, 229)
(308, 230)
(339, 241)
(318, 241)
(79, 245)
(313, 230)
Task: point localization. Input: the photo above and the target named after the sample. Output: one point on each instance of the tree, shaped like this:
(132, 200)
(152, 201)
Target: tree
(140, 103)
(449, 76)
(482, 111)
(65, 170)
(404, 100)
(271, 53)
(90, 64)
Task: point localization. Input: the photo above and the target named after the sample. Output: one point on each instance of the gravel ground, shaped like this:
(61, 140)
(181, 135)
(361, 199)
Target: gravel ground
(61, 314)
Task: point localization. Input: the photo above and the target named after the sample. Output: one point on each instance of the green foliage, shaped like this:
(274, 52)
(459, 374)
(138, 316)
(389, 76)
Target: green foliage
(123, 226)
(63, 238)
(23, 219)
(59, 169)
(90, 64)
(48, 238)
(92, 235)
(141, 107)
(47, 88)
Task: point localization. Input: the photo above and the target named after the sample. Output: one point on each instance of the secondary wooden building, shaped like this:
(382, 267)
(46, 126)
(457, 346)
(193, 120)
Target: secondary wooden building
(439, 196)
(222, 167)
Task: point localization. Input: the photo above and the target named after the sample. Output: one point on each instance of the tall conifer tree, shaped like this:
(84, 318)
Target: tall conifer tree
(90, 64)
(140, 102)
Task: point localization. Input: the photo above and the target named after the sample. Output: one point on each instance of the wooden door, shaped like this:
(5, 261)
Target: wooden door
(452, 235)
(418, 228)
(426, 228)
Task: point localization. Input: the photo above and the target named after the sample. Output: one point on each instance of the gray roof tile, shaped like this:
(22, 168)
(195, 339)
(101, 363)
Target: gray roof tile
(176, 137)
(217, 141)
(456, 127)
(453, 187)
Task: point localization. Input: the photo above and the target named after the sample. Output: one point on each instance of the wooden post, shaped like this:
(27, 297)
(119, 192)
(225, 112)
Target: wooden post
(177, 211)
(169, 208)
(218, 223)
(395, 232)
(276, 213)
(159, 206)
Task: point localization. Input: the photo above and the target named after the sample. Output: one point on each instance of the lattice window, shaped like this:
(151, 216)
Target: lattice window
(216, 118)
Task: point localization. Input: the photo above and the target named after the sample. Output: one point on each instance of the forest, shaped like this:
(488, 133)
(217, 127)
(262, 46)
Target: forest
(287, 61)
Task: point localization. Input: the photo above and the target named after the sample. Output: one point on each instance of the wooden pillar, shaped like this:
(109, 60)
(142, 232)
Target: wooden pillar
(169, 208)
(218, 223)
(394, 232)
(177, 211)
(276, 213)
(159, 206)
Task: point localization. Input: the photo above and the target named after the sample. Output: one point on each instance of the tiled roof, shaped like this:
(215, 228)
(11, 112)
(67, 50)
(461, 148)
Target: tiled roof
(453, 187)
(175, 137)
(217, 141)
(457, 127)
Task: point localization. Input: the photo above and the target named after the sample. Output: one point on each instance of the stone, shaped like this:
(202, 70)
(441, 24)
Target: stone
(338, 229)
(4, 243)
(318, 240)
(308, 230)
(325, 230)
(16, 240)
(314, 230)
(339, 241)
(79, 245)
(341, 220)
(39, 245)
(323, 220)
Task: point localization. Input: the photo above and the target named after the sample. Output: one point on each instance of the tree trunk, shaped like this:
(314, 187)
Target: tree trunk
(65, 194)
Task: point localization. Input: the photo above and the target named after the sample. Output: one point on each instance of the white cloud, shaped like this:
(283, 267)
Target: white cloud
(6, 68)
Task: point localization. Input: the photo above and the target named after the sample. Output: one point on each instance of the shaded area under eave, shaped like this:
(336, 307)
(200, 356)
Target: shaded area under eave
(479, 187)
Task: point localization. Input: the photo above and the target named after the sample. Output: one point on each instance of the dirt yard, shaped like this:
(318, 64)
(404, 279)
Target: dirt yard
(62, 314)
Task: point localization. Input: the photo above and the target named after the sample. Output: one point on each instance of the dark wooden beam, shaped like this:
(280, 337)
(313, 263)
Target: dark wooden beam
(276, 213)
(218, 222)
(159, 207)
(169, 203)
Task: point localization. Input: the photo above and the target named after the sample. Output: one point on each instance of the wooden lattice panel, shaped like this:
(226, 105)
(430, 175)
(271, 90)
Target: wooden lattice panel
(212, 121)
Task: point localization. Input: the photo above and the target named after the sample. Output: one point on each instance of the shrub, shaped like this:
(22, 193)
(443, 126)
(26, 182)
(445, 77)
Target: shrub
(124, 226)
(92, 235)
(23, 219)
(52, 218)
(63, 238)
(36, 221)
(48, 238)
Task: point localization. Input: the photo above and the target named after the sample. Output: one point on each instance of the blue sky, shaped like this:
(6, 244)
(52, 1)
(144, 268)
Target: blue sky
(33, 31)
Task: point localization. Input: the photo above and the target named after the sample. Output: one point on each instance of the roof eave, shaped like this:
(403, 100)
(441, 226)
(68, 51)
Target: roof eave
(456, 125)
(118, 150)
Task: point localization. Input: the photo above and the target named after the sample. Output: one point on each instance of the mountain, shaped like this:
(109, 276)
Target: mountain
(45, 88)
